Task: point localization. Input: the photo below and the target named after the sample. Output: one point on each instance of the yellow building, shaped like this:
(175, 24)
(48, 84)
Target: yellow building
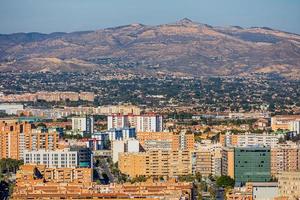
(156, 163)
(289, 185)
(133, 164)
(203, 163)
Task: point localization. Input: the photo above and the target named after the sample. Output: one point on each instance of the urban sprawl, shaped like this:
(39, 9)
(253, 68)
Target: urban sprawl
(75, 144)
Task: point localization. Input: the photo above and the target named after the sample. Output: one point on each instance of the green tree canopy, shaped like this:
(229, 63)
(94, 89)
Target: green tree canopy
(225, 181)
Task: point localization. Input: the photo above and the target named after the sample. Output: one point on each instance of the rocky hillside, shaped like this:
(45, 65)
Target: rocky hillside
(183, 48)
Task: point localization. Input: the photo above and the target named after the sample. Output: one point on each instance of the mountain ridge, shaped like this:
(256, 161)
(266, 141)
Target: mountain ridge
(184, 47)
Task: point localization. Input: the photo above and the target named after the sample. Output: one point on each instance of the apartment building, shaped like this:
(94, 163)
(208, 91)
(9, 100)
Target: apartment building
(12, 139)
(294, 126)
(157, 144)
(250, 139)
(41, 138)
(207, 160)
(17, 137)
(285, 157)
(228, 161)
(142, 123)
(11, 109)
(289, 185)
(283, 121)
(203, 162)
(248, 115)
(83, 125)
(121, 146)
(48, 96)
(75, 156)
(31, 186)
(149, 123)
(118, 109)
(133, 164)
(52, 159)
(156, 163)
(28, 173)
(176, 141)
(121, 134)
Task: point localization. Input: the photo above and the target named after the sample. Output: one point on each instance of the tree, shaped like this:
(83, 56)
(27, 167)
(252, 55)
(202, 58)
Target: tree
(225, 181)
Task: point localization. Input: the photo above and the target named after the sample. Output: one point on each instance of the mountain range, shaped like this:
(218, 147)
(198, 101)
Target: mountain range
(182, 48)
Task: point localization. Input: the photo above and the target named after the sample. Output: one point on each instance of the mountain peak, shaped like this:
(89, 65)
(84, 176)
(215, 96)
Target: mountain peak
(185, 21)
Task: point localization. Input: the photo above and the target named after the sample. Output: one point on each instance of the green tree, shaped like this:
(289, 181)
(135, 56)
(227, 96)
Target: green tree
(225, 181)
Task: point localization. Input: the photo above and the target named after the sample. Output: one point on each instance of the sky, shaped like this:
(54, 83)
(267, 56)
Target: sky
(79, 15)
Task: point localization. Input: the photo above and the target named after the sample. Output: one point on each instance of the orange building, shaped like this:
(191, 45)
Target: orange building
(285, 157)
(19, 136)
(30, 172)
(33, 182)
(41, 138)
(12, 137)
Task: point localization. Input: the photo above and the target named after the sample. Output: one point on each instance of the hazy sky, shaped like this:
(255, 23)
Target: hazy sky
(75, 15)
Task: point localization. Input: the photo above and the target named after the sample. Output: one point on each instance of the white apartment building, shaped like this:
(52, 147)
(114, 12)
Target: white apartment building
(121, 146)
(83, 124)
(11, 109)
(251, 139)
(268, 140)
(52, 159)
(142, 123)
(149, 123)
(295, 126)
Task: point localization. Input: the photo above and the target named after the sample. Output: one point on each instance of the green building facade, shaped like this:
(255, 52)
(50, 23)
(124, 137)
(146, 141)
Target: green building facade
(252, 164)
